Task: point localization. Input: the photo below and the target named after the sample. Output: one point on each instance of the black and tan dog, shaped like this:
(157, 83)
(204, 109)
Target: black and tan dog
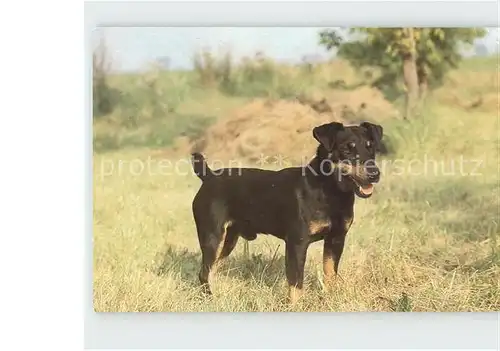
(299, 205)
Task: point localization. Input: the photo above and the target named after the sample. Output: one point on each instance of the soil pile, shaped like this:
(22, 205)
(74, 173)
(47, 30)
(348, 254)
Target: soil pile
(265, 128)
(281, 130)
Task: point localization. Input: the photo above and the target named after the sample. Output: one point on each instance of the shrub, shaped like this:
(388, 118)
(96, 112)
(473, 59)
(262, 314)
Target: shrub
(104, 97)
(258, 76)
(154, 95)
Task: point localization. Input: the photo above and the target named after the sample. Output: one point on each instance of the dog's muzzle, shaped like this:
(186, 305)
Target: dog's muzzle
(373, 174)
(364, 191)
(364, 181)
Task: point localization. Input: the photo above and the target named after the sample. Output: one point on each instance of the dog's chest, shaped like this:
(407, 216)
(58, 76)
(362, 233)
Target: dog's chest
(316, 213)
(324, 215)
(319, 220)
(319, 226)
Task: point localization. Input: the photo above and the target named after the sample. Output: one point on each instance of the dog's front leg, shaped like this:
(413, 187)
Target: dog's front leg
(334, 246)
(332, 252)
(295, 259)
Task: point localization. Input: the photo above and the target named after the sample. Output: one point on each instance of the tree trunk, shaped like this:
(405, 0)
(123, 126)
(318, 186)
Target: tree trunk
(410, 75)
(423, 86)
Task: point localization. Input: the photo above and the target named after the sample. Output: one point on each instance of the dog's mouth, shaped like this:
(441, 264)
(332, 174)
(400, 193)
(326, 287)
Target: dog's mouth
(362, 186)
(364, 191)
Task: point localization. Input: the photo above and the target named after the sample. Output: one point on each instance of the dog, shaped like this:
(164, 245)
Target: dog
(300, 205)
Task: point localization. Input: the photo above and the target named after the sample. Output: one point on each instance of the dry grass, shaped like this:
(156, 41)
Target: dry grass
(421, 243)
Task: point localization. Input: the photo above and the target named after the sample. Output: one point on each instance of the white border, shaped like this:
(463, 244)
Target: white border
(42, 144)
(450, 13)
(279, 330)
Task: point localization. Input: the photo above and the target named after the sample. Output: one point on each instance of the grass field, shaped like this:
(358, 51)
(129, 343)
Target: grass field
(428, 240)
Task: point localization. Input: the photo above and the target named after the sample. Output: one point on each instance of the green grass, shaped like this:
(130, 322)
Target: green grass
(426, 241)
(421, 243)
(155, 133)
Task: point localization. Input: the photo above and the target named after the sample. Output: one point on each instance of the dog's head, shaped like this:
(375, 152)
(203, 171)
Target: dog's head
(347, 153)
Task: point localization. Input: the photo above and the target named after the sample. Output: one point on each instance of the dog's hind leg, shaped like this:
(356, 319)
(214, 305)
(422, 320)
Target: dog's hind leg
(212, 244)
(295, 259)
(229, 243)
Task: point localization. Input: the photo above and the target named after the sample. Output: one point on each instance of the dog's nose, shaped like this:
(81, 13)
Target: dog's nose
(373, 175)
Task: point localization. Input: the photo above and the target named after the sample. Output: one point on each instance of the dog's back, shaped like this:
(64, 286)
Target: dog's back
(235, 176)
(253, 196)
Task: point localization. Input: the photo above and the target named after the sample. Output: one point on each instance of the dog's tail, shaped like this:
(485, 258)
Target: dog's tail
(200, 167)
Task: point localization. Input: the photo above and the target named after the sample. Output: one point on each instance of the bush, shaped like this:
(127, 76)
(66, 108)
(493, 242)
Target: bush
(104, 97)
(145, 114)
(153, 133)
(253, 77)
(213, 71)
(154, 95)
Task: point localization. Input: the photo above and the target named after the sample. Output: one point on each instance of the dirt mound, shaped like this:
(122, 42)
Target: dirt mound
(281, 130)
(265, 128)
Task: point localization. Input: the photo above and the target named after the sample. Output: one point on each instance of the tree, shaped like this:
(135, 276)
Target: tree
(418, 57)
(104, 97)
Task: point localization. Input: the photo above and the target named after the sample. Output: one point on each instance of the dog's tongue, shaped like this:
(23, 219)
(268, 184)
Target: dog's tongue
(367, 189)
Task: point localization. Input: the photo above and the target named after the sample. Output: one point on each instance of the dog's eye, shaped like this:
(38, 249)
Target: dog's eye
(351, 145)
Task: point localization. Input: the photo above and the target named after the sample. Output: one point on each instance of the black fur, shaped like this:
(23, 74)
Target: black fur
(299, 205)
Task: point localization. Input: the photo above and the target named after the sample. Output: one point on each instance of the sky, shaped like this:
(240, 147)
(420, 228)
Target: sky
(132, 48)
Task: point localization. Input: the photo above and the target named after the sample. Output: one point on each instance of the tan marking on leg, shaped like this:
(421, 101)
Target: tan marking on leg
(317, 226)
(214, 267)
(328, 266)
(223, 239)
(294, 294)
(328, 271)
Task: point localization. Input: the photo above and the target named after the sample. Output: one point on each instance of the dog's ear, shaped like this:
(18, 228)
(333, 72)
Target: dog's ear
(327, 133)
(375, 132)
